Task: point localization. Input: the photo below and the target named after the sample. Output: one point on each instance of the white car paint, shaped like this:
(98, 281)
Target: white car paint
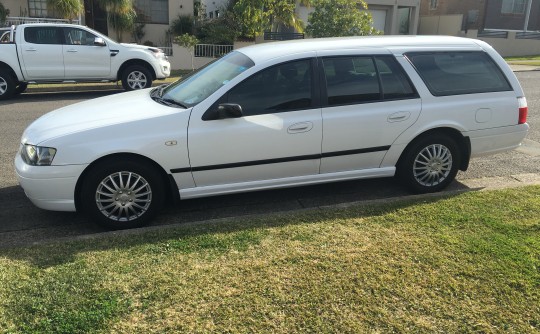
(254, 152)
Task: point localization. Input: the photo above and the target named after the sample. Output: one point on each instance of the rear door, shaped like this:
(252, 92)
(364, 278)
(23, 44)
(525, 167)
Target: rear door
(368, 101)
(41, 52)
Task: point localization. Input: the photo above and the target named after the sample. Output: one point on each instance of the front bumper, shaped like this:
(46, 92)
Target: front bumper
(164, 69)
(49, 187)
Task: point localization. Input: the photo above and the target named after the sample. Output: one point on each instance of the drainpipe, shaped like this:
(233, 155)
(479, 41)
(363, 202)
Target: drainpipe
(527, 15)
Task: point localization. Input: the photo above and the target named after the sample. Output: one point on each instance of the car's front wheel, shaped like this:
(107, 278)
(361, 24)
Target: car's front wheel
(122, 194)
(430, 164)
(136, 77)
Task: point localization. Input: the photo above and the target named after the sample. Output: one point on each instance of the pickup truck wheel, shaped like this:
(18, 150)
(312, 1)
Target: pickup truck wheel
(21, 87)
(136, 77)
(7, 85)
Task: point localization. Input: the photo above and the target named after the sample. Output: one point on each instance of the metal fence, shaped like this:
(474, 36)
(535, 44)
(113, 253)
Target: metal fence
(212, 50)
(493, 34)
(528, 35)
(282, 36)
(15, 20)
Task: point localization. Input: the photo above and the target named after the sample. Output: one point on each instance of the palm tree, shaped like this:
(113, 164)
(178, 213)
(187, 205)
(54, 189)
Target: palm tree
(67, 9)
(120, 14)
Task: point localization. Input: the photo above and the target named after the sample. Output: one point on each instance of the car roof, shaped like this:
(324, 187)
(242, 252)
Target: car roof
(266, 51)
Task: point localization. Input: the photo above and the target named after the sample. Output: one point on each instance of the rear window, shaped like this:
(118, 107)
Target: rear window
(455, 73)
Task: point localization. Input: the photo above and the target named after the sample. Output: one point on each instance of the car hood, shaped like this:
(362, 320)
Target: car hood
(137, 46)
(91, 114)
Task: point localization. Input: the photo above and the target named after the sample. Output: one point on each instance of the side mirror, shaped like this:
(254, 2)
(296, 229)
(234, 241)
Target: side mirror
(98, 41)
(229, 110)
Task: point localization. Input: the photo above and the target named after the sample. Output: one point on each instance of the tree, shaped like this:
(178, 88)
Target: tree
(188, 41)
(257, 16)
(120, 14)
(4, 12)
(334, 18)
(67, 9)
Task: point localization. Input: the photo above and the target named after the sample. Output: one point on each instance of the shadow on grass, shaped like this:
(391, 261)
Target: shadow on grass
(171, 228)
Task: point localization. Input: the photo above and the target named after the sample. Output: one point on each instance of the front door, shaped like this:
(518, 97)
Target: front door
(278, 136)
(83, 59)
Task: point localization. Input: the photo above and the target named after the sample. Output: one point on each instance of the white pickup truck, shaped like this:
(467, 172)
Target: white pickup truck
(57, 53)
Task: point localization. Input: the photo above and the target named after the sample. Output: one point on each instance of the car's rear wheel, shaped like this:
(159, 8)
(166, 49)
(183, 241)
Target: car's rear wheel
(136, 77)
(7, 85)
(122, 194)
(430, 164)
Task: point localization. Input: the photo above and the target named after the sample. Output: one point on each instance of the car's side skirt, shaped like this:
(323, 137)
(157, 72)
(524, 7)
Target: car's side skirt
(296, 181)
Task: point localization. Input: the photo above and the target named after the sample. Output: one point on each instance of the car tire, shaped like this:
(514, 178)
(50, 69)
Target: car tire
(122, 194)
(430, 164)
(21, 88)
(7, 85)
(136, 77)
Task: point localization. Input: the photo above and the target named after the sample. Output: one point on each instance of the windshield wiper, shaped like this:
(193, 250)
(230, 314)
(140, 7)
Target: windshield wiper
(173, 102)
(158, 91)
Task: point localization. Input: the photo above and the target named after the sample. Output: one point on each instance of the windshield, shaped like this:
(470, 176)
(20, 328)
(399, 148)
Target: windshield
(203, 83)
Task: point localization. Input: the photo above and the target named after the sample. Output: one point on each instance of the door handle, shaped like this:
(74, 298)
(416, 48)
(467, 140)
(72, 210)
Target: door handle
(399, 116)
(300, 127)
(71, 50)
(31, 49)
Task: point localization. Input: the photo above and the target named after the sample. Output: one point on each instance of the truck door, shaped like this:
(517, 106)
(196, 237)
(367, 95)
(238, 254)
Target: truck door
(83, 59)
(41, 50)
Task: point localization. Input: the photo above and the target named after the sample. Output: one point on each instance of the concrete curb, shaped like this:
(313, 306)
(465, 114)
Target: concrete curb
(481, 184)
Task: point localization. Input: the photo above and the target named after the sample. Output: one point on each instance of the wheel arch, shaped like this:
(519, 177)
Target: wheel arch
(4, 66)
(133, 62)
(171, 188)
(463, 142)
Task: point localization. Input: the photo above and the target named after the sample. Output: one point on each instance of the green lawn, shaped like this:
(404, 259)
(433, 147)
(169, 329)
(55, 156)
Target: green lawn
(464, 263)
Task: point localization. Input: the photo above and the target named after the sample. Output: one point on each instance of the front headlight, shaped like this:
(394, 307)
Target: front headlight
(37, 155)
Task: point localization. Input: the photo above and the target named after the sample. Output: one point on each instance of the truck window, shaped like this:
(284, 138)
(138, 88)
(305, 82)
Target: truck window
(43, 35)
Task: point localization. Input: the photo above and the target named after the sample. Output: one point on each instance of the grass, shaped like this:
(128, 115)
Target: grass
(175, 75)
(465, 263)
(525, 60)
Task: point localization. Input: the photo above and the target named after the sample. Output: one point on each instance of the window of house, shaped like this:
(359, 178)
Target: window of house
(513, 6)
(454, 73)
(152, 11)
(433, 4)
(211, 15)
(281, 88)
(37, 8)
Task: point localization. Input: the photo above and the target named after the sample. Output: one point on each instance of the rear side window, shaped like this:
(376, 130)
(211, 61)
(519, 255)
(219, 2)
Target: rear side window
(364, 79)
(455, 73)
(43, 35)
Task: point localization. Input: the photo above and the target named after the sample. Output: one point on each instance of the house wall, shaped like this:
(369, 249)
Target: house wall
(16, 7)
(441, 25)
(501, 21)
(510, 47)
(472, 11)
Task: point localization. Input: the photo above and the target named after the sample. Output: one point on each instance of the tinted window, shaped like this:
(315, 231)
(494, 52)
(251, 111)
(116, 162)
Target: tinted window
(75, 36)
(43, 35)
(394, 81)
(280, 88)
(351, 80)
(453, 73)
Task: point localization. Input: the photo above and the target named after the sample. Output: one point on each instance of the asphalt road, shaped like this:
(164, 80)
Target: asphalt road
(22, 223)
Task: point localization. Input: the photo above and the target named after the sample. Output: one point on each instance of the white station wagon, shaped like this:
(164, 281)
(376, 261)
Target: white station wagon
(278, 115)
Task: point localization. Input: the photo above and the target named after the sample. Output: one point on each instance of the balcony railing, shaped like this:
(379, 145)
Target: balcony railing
(15, 20)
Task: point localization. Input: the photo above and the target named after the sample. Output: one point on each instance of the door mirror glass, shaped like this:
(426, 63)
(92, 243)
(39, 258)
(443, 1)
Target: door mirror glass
(99, 41)
(229, 110)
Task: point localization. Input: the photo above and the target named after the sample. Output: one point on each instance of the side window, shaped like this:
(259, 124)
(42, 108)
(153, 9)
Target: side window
(454, 73)
(43, 35)
(76, 36)
(395, 84)
(351, 80)
(281, 88)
